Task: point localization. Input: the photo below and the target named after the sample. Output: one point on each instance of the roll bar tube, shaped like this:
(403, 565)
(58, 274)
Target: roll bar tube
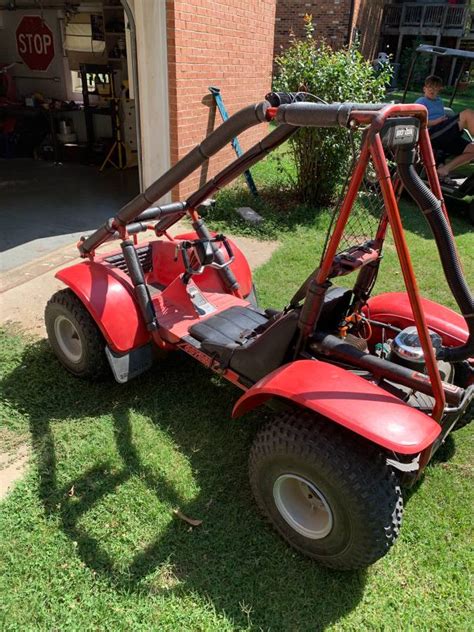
(236, 124)
(241, 164)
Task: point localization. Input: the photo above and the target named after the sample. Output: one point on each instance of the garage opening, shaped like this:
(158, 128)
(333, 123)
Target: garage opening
(69, 154)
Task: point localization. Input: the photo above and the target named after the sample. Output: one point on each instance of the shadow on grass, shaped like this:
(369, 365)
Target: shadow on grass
(415, 222)
(233, 560)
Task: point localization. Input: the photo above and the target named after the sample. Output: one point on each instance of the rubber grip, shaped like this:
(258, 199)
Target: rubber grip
(321, 114)
(280, 98)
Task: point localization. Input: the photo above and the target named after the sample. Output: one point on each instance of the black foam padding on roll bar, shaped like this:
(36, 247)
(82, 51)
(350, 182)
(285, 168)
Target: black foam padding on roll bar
(157, 212)
(236, 124)
(280, 98)
(321, 114)
(241, 164)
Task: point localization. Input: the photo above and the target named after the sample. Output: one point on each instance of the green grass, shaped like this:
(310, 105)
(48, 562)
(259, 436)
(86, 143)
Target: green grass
(89, 540)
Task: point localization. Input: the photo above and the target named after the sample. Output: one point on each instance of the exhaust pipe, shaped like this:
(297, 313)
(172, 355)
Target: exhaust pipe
(431, 208)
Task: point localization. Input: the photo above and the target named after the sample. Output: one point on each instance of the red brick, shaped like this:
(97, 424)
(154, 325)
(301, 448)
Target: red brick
(211, 42)
(333, 22)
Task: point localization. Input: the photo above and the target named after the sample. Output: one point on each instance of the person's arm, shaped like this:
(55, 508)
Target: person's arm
(437, 120)
(441, 118)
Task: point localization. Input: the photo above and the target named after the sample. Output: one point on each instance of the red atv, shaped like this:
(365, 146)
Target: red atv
(365, 388)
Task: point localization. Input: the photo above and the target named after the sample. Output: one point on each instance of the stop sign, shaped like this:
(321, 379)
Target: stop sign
(34, 41)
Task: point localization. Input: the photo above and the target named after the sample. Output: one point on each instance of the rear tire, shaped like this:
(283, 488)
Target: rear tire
(74, 337)
(330, 495)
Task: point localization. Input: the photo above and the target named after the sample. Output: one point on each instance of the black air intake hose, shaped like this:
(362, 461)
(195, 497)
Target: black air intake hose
(280, 98)
(433, 212)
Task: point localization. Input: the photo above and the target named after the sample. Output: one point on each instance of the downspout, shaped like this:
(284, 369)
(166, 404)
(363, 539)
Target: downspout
(349, 28)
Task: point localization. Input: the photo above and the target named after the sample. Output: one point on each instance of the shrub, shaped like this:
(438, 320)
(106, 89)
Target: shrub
(321, 155)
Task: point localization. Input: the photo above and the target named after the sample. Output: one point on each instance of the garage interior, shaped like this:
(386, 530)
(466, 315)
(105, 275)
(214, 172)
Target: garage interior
(68, 127)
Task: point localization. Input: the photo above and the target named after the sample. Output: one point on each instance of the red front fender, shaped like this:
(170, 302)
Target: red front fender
(110, 302)
(347, 399)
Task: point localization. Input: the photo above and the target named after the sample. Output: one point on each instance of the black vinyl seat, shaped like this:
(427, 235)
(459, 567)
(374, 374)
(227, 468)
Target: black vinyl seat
(233, 326)
(254, 343)
(248, 341)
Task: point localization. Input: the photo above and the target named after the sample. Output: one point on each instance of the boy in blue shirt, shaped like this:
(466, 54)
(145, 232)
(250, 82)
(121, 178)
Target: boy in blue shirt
(446, 132)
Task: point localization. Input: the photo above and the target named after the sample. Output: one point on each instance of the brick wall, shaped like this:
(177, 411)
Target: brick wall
(330, 19)
(334, 21)
(228, 44)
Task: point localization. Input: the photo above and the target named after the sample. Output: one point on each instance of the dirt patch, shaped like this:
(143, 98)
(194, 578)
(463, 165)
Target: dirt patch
(13, 462)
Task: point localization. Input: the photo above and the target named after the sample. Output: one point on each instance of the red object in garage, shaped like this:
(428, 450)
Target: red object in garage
(35, 43)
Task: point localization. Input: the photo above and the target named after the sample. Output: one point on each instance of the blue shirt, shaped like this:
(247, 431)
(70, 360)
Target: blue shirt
(435, 107)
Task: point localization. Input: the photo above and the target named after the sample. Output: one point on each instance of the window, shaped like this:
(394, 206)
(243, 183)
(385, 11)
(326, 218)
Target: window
(85, 33)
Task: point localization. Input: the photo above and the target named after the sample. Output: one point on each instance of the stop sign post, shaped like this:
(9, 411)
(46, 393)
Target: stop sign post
(35, 43)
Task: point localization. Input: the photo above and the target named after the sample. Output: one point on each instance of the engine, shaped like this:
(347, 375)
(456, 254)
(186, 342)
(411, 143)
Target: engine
(405, 349)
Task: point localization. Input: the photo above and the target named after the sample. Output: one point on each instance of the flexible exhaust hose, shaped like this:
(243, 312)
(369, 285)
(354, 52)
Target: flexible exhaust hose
(433, 212)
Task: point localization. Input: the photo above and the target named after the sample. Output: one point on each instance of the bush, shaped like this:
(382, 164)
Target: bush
(321, 155)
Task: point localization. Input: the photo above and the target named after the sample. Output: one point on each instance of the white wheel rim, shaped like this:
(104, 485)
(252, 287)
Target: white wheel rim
(68, 339)
(303, 506)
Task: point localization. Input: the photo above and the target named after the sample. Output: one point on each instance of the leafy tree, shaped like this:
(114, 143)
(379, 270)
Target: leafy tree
(321, 155)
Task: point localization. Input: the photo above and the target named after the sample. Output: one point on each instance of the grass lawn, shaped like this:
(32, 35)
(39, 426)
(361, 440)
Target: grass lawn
(89, 540)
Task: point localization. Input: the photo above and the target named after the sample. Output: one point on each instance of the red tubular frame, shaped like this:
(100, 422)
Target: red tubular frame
(372, 148)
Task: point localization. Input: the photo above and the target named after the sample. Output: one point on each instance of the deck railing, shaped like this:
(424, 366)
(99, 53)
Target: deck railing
(427, 16)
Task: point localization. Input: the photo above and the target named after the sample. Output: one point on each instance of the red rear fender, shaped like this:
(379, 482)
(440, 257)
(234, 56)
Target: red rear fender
(347, 399)
(110, 301)
(394, 308)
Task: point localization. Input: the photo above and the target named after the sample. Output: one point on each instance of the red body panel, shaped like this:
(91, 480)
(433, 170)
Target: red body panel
(394, 308)
(110, 301)
(108, 294)
(348, 400)
(176, 314)
(165, 268)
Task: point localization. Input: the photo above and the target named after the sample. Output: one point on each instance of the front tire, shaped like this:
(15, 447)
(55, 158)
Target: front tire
(327, 493)
(74, 336)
